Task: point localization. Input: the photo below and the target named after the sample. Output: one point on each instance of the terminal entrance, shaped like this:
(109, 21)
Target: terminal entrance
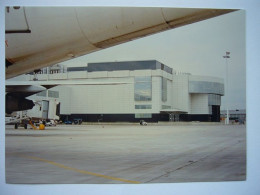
(174, 117)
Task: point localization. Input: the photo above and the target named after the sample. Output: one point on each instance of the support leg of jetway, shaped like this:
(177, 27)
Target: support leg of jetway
(32, 125)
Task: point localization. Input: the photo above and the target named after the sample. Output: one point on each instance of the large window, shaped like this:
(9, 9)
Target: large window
(143, 106)
(166, 107)
(141, 115)
(164, 89)
(143, 88)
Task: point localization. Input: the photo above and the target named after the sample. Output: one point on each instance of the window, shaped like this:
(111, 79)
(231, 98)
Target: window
(166, 107)
(54, 94)
(143, 88)
(143, 106)
(74, 69)
(141, 115)
(164, 89)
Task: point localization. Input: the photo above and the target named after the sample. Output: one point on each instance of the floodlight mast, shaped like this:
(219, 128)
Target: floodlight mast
(227, 115)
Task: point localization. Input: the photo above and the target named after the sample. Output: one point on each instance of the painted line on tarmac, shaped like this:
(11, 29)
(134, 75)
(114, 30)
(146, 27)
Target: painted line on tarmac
(82, 171)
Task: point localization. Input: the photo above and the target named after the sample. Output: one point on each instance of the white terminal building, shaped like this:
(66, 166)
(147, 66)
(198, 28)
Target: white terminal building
(131, 91)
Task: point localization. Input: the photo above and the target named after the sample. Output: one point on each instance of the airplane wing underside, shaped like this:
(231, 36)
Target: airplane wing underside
(37, 37)
(23, 90)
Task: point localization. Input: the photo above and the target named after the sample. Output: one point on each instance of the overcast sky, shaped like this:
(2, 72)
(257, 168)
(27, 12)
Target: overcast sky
(197, 49)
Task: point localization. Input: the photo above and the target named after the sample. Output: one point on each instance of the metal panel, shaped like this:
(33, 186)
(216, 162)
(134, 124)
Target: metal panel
(206, 87)
(18, 15)
(214, 99)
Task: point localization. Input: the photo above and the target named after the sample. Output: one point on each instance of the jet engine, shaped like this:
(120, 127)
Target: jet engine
(13, 103)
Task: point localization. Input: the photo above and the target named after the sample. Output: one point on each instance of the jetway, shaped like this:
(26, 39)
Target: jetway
(40, 114)
(44, 109)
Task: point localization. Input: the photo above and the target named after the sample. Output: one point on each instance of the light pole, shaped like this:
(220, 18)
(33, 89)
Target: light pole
(226, 57)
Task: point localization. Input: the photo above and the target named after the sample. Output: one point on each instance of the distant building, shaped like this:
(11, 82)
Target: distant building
(135, 90)
(238, 115)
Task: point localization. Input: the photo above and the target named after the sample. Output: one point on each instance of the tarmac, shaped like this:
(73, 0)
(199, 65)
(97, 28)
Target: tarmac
(126, 154)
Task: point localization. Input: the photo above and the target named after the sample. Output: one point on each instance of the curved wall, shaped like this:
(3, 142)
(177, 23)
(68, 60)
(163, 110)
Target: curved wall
(209, 85)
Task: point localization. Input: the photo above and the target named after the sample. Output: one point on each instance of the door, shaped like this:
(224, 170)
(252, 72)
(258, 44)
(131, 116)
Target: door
(45, 109)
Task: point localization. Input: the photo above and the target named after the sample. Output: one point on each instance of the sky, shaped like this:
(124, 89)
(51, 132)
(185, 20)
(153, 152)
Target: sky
(196, 48)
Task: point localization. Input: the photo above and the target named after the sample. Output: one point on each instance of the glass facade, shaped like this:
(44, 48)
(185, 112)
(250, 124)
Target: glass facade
(53, 94)
(143, 88)
(164, 89)
(166, 107)
(143, 106)
(74, 69)
(143, 115)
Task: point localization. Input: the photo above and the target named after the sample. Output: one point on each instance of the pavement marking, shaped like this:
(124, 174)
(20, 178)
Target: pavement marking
(82, 171)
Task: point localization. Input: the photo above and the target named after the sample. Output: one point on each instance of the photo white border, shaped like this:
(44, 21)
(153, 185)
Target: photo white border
(250, 186)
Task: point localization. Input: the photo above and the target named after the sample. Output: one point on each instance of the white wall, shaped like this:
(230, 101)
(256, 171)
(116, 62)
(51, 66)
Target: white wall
(116, 99)
(55, 76)
(107, 99)
(205, 78)
(199, 104)
(52, 110)
(36, 111)
(111, 99)
(180, 93)
(169, 93)
(64, 98)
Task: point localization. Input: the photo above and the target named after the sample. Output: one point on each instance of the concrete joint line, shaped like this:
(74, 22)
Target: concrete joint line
(193, 162)
(82, 171)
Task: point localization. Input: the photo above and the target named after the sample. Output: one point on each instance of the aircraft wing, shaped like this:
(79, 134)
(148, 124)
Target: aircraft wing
(37, 37)
(23, 90)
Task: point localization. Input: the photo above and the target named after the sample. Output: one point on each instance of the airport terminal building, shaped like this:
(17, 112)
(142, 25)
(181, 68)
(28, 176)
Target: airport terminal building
(131, 91)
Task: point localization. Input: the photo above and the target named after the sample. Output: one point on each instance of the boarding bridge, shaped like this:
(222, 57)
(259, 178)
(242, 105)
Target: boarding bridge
(44, 109)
